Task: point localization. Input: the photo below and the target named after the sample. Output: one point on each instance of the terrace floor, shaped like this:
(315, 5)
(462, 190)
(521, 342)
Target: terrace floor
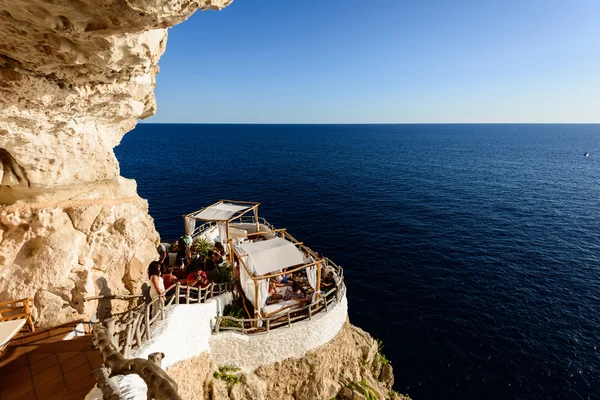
(41, 365)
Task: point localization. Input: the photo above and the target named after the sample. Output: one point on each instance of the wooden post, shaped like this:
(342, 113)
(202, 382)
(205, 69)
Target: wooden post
(177, 292)
(318, 288)
(256, 218)
(256, 310)
(162, 308)
(147, 321)
(110, 390)
(160, 385)
(156, 358)
(110, 326)
(128, 335)
(137, 318)
(309, 311)
(226, 232)
(27, 310)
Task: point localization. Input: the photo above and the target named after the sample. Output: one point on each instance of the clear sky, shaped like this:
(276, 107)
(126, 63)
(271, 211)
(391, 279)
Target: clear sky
(384, 61)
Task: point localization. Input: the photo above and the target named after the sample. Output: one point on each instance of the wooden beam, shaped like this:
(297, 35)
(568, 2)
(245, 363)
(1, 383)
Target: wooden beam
(160, 385)
(110, 390)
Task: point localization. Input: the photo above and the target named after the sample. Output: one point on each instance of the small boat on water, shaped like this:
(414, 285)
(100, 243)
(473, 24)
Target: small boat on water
(586, 154)
(268, 260)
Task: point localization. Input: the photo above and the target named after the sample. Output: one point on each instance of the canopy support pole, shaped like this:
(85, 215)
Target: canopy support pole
(256, 218)
(255, 300)
(318, 288)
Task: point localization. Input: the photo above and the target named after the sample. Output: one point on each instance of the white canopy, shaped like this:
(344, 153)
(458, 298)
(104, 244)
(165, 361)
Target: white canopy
(270, 255)
(219, 212)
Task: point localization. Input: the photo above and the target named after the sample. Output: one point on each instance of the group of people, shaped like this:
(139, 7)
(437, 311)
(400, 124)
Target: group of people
(192, 271)
(162, 279)
(287, 287)
(189, 269)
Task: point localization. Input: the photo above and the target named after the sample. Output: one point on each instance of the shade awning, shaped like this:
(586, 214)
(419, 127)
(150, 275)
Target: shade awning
(271, 255)
(219, 212)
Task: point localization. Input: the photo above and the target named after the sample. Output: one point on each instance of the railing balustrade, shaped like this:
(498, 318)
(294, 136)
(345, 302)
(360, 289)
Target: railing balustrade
(263, 325)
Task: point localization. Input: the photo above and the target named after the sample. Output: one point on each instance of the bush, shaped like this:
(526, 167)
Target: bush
(234, 310)
(379, 360)
(229, 374)
(363, 388)
(202, 246)
(223, 274)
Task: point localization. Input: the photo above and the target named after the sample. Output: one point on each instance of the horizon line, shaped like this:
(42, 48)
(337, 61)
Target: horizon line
(368, 123)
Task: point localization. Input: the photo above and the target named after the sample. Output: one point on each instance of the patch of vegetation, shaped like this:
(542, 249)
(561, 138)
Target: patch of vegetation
(235, 310)
(379, 360)
(363, 388)
(398, 396)
(202, 246)
(228, 374)
(222, 274)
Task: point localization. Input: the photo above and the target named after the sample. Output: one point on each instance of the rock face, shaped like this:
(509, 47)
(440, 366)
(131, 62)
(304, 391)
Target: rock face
(75, 76)
(344, 367)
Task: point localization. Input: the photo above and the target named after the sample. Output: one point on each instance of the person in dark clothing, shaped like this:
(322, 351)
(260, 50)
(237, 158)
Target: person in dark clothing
(183, 250)
(328, 282)
(209, 263)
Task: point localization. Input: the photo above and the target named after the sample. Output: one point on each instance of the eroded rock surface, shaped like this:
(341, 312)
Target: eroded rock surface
(346, 362)
(75, 76)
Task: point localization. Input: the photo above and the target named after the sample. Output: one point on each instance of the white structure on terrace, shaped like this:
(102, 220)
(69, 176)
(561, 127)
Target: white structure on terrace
(187, 331)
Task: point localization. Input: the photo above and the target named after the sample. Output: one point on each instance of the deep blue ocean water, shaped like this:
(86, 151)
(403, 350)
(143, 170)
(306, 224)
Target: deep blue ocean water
(472, 251)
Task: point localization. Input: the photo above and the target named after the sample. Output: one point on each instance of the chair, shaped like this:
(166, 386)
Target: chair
(14, 315)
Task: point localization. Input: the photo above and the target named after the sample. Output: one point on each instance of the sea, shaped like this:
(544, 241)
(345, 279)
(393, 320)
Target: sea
(470, 250)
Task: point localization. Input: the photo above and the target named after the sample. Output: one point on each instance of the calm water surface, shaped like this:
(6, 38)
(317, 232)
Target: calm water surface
(471, 250)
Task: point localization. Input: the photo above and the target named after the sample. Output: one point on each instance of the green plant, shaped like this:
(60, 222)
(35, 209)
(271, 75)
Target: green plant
(379, 360)
(233, 310)
(228, 374)
(363, 388)
(398, 396)
(202, 246)
(222, 274)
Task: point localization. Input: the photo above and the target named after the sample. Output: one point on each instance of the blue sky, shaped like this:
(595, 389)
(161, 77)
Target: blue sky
(386, 61)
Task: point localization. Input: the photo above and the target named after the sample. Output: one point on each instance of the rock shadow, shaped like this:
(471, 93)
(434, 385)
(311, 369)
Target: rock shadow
(104, 309)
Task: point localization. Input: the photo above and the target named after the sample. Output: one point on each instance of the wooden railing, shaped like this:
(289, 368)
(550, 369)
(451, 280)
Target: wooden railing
(160, 385)
(182, 294)
(118, 335)
(131, 328)
(246, 219)
(249, 219)
(250, 326)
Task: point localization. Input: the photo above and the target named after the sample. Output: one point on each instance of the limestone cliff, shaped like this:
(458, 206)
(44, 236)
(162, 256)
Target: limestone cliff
(345, 368)
(75, 76)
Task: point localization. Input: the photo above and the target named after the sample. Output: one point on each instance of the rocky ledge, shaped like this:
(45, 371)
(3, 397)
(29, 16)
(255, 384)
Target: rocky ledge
(350, 366)
(75, 76)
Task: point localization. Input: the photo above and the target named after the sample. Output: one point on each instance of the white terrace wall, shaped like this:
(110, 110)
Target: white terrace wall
(187, 331)
(251, 351)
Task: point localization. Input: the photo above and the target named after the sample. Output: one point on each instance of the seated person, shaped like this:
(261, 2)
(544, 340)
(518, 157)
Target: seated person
(295, 293)
(285, 279)
(308, 258)
(218, 257)
(328, 282)
(274, 294)
(169, 278)
(197, 278)
(220, 248)
(209, 263)
(163, 255)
